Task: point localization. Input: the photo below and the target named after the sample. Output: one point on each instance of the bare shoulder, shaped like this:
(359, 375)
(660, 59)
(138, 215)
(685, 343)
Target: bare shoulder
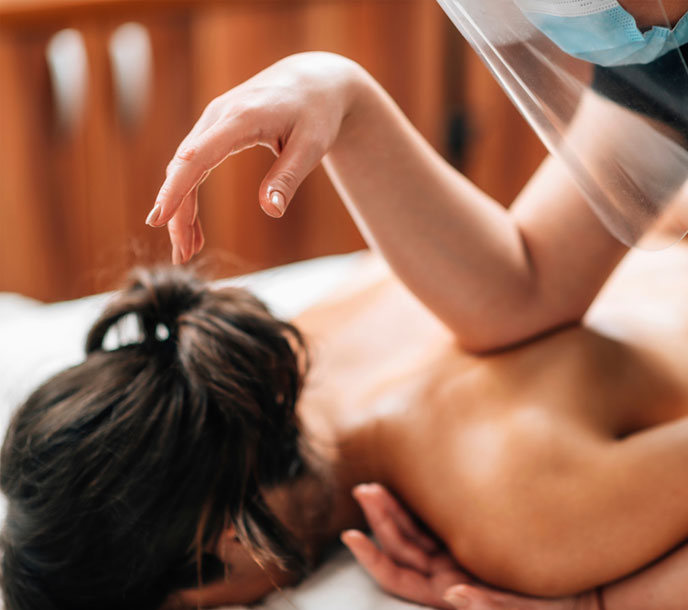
(646, 295)
(368, 311)
(644, 305)
(522, 526)
(368, 276)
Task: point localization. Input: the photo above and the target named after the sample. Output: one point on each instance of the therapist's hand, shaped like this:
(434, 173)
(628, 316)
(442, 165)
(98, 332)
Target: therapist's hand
(295, 107)
(414, 567)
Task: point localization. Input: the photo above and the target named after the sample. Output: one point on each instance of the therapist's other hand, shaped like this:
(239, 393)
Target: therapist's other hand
(414, 567)
(295, 107)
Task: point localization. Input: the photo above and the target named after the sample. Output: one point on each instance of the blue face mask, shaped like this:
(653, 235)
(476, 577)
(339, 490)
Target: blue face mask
(601, 31)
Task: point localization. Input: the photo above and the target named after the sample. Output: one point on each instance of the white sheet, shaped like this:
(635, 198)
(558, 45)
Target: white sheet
(37, 340)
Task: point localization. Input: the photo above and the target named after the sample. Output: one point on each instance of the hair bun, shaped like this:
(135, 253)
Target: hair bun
(156, 297)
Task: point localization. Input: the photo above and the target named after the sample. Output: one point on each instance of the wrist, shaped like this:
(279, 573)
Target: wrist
(362, 99)
(357, 93)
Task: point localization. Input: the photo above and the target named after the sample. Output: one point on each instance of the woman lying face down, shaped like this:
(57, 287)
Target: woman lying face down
(122, 471)
(181, 458)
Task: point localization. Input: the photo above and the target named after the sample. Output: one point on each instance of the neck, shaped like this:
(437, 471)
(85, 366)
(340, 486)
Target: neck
(319, 506)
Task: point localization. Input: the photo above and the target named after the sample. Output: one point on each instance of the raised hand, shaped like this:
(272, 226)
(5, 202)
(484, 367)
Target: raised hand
(295, 108)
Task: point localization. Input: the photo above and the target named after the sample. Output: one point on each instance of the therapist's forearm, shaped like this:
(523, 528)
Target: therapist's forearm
(458, 250)
(463, 254)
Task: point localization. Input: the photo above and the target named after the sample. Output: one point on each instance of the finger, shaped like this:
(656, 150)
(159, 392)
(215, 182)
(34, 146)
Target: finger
(181, 228)
(396, 580)
(298, 159)
(375, 493)
(192, 163)
(390, 537)
(199, 239)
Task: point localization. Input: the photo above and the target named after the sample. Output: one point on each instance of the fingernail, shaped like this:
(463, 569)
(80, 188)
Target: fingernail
(364, 487)
(349, 538)
(154, 215)
(457, 600)
(277, 199)
(358, 490)
(176, 256)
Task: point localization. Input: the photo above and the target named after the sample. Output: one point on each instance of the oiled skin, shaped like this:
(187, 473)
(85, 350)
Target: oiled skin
(532, 464)
(547, 469)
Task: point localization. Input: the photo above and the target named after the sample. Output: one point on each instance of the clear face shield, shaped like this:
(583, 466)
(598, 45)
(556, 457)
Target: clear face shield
(605, 86)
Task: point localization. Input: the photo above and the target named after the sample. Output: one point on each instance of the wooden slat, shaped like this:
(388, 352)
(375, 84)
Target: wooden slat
(30, 221)
(129, 161)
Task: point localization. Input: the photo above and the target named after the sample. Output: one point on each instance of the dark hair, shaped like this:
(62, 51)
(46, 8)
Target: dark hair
(120, 470)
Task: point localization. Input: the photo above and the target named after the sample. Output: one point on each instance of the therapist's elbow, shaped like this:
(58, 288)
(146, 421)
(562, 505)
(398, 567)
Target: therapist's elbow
(513, 325)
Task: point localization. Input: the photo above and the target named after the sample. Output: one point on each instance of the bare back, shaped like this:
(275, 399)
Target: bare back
(468, 442)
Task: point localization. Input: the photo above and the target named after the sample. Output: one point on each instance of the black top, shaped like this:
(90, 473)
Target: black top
(658, 90)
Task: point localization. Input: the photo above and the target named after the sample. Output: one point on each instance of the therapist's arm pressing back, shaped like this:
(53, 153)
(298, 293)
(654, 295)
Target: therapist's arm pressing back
(495, 276)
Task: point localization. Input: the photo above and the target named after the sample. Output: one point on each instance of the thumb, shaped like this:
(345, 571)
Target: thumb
(298, 159)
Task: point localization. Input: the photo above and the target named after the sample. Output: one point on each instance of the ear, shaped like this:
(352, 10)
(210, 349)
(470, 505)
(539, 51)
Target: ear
(215, 593)
(226, 544)
(246, 582)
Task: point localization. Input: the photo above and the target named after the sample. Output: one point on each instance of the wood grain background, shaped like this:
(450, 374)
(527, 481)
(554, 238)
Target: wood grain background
(73, 199)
